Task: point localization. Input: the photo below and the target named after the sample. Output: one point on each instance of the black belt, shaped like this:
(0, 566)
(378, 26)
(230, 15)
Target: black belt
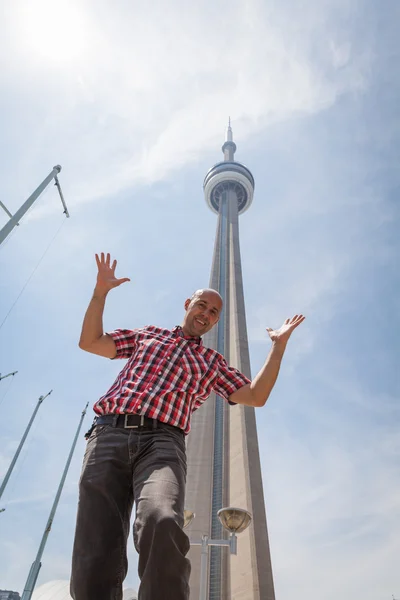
(132, 421)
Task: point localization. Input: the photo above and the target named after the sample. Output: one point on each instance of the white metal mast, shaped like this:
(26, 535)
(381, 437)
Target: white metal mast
(17, 453)
(14, 219)
(35, 568)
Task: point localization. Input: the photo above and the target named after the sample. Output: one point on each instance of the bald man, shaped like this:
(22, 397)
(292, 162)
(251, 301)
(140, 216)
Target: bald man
(136, 447)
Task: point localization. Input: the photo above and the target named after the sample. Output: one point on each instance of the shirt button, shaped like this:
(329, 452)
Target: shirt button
(150, 388)
(139, 406)
(169, 356)
(160, 372)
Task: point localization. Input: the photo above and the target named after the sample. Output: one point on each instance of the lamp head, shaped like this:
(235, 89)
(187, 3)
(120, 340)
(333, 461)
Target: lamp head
(235, 520)
(188, 516)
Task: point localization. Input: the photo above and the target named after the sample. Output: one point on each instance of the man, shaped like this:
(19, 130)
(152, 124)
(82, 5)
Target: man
(136, 449)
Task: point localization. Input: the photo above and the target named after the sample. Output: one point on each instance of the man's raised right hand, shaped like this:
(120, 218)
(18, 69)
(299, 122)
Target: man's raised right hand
(106, 279)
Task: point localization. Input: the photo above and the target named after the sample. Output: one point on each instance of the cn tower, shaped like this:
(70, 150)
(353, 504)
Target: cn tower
(223, 456)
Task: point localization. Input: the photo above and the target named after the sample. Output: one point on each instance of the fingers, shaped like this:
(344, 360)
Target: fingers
(123, 280)
(296, 318)
(105, 260)
(295, 322)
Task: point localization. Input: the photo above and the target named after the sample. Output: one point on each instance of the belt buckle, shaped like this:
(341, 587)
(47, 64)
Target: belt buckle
(126, 426)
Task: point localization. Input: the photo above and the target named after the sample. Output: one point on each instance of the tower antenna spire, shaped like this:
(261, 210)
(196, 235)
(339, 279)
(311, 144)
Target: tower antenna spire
(229, 134)
(229, 147)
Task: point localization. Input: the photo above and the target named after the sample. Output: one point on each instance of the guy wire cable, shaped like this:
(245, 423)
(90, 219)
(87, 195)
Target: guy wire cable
(33, 272)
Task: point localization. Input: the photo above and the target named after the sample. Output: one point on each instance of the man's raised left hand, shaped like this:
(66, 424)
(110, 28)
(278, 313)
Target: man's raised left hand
(282, 334)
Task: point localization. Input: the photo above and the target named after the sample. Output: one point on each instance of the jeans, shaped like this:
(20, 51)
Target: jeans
(122, 466)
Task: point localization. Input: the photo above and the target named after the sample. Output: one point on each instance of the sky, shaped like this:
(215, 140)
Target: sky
(132, 99)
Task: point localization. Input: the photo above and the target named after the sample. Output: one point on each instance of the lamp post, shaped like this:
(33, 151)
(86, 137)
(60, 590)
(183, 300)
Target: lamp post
(234, 520)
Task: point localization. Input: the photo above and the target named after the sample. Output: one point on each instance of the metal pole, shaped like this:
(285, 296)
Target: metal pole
(35, 568)
(6, 210)
(8, 227)
(203, 568)
(205, 543)
(57, 184)
(8, 375)
(233, 544)
(14, 460)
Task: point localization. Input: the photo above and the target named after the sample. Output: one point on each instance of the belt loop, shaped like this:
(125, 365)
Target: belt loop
(154, 424)
(115, 420)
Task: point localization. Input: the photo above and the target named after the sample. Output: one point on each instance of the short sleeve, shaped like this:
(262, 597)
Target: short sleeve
(229, 380)
(125, 341)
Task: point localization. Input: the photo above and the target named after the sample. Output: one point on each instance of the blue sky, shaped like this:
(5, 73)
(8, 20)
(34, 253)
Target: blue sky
(133, 101)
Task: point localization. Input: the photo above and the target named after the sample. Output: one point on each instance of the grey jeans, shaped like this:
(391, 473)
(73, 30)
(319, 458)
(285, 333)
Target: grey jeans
(122, 466)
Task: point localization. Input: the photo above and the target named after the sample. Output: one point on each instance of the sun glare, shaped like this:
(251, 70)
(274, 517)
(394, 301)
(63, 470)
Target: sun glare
(53, 29)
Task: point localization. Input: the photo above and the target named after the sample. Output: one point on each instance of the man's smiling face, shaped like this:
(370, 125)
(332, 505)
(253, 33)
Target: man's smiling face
(202, 312)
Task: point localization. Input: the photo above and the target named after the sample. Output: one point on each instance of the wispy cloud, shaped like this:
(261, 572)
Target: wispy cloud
(132, 112)
(332, 498)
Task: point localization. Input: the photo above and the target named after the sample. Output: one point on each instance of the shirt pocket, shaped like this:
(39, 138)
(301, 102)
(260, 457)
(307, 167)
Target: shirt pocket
(198, 375)
(145, 351)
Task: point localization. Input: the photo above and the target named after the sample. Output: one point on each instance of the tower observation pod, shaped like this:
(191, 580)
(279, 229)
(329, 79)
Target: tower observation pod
(229, 179)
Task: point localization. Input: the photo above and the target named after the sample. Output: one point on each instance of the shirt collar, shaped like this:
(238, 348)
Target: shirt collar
(178, 331)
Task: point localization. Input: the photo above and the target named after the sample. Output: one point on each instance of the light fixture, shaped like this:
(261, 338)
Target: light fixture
(235, 520)
(188, 516)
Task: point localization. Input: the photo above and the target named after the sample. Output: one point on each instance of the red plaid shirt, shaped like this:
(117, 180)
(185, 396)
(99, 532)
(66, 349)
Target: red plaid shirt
(167, 376)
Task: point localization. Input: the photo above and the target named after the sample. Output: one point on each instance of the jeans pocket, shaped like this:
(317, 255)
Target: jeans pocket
(97, 431)
(171, 451)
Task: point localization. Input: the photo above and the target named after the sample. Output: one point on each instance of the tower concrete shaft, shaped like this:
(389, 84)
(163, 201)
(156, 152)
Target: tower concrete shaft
(223, 457)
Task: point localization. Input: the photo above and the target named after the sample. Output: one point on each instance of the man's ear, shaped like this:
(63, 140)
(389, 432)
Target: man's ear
(187, 302)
